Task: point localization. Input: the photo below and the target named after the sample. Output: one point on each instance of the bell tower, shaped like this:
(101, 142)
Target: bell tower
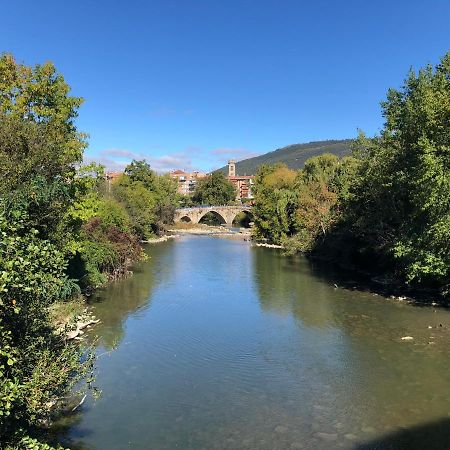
(231, 168)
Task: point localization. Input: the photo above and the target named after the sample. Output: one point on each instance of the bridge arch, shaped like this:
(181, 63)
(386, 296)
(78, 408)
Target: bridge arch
(225, 213)
(215, 214)
(246, 212)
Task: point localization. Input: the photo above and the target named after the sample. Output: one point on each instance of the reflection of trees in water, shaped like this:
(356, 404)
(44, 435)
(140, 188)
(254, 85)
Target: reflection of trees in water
(382, 374)
(58, 433)
(286, 286)
(118, 300)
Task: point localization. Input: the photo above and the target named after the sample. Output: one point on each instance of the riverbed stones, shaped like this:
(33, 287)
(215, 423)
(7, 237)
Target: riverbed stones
(281, 429)
(329, 437)
(351, 437)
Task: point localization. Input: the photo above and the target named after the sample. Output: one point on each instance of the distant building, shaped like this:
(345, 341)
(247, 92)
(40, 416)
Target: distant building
(242, 183)
(186, 180)
(111, 177)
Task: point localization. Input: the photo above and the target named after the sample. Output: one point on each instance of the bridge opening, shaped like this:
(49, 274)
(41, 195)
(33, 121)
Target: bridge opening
(212, 218)
(243, 219)
(185, 219)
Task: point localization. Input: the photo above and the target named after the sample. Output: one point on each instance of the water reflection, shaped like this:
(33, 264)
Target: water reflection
(220, 345)
(386, 382)
(113, 304)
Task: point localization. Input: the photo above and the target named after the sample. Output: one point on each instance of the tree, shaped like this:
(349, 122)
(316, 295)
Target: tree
(275, 203)
(40, 95)
(140, 171)
(399, 209)
(39, 143)
(298, 208)
(214, 189)
(321, 186)
(39, 147)
(139, 203)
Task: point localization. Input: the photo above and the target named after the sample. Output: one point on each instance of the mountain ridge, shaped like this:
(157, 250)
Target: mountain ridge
(293, 155)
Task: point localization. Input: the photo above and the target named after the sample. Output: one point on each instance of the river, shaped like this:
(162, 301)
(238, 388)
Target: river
(216, 344)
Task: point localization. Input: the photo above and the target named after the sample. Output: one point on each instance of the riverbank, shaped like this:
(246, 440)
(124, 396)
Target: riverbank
(71, 318)
(199, 228)
(157, 240)
(353, 278)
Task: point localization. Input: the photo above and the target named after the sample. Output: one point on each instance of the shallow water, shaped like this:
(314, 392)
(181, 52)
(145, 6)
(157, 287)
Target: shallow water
(215, 344)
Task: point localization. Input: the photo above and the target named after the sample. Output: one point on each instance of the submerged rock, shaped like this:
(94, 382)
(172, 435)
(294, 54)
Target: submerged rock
(326, 436)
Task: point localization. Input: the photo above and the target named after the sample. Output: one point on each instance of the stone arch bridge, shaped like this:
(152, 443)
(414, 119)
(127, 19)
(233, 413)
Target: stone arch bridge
(226, 213)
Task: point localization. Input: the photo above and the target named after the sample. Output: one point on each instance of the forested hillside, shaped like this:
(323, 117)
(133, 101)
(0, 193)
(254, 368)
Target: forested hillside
(294, 156)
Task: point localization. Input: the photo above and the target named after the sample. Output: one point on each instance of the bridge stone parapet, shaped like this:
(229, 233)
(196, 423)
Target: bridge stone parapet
(195, 214)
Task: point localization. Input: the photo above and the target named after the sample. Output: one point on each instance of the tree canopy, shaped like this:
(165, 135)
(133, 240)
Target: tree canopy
(386, 209)
(399, 206)
(214, 189)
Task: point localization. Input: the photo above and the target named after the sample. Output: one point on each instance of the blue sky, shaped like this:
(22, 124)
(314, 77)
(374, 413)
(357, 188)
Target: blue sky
(190, 83)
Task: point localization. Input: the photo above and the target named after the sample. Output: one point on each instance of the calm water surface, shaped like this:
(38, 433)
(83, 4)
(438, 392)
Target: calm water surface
(215, 344)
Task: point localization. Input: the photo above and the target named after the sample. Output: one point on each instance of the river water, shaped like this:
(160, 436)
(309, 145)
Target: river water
(216, 344)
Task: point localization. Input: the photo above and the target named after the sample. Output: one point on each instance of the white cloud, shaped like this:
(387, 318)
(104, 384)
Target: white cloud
(235, 153)
(117, 159)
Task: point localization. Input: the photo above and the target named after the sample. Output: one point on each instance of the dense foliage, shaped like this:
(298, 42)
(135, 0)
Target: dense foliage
(297, 208)
(37, 366)
(149, 198)
(64, 230)
(399, 209)
(386, 209)
(39, 146)
(214, 189)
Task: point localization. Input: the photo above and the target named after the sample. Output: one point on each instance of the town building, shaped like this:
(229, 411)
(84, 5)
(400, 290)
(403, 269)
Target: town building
(242, 183)
(186, 180)
(111, 177)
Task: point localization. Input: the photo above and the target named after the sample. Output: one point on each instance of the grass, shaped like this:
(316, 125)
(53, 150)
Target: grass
(65, 312)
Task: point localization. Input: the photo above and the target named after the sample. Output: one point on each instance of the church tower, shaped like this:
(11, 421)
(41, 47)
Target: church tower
(231, 168)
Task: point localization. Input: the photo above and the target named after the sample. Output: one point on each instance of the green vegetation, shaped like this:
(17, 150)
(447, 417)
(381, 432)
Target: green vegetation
(214, 189)
(297, 208)
(385, 210)
(39, 146)
(293, 156)
(63, 231)
(149, 198)
(398, 213)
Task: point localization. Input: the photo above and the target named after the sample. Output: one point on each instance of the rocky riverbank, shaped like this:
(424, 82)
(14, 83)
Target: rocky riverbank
(160, 239)
(200, 229)
(72, 318)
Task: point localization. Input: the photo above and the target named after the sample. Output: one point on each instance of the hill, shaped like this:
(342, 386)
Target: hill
(294, 156)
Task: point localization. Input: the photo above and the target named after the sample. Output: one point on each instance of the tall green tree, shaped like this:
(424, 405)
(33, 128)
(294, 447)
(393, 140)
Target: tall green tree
(39, 142)
(399, 209)
(275, 203)
(214, 189)
(149, 198)
(39, 147)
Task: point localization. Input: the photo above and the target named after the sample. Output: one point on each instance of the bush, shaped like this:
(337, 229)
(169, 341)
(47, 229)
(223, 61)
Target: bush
(37, 366)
